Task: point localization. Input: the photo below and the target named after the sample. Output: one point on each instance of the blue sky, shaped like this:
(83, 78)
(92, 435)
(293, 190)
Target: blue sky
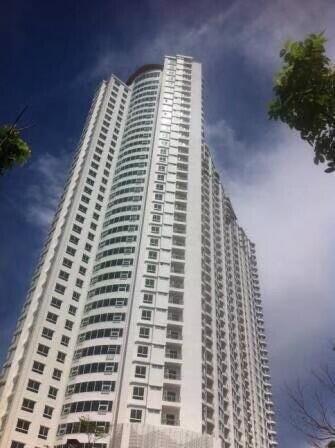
(53, 56)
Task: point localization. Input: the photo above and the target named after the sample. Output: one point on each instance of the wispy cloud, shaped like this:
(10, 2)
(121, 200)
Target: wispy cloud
(254, 30)
(41, 198)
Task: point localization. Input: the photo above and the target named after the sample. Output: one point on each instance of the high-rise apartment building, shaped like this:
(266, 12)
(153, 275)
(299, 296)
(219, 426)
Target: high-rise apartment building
(143, 325)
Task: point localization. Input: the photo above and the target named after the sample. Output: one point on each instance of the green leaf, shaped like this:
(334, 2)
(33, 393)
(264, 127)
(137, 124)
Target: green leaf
(304, 95)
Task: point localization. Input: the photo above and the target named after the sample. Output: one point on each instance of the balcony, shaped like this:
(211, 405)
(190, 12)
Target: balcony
(178, 268)
(177, 282)
(171, 395)
(172, 373)
(178, 241)
(180, 206)
(170, 420)
(178, 254)
(175, 315)
(174, 333)
(176, 298)
(180, 217)
(173, 352)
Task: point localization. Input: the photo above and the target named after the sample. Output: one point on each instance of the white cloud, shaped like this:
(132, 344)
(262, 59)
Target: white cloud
(42, 196)
(272, 23)
(284, 202)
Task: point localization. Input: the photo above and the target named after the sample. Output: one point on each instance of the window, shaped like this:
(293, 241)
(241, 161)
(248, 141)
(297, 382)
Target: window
(75, 296)
(80, 219)
(89, 181)
(51, 317)
(60, 288)
(61, 357)
(74, 239)
(79, 283)
(56, 303)
(42, 350)
(158, 207)
(149, 283)
(65, 340)
(48, 410)
(28, 405)
(144, 332)
(33, 386)
(22, 426)
(154, 229)
(142, 351)
(146, 315)
(135, 415)
(153, 241)
(82, 270)
(85, 198)
(138, 393)
(68, 325)
(52, 392)
(38, 367)
(148, 298)
(152, 254)
(67, 262)
(85, 258)
(16, 444)
(90, 236)
(88, 247)
(43, 432)
(70, 251)
(72, 310)
(151, 268)
(140, 371)
(57, 374)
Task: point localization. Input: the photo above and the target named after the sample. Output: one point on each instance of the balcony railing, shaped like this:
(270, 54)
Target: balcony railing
(170, 421)
(173, 335)
(172, 354)
(172, 375)
(171, 397)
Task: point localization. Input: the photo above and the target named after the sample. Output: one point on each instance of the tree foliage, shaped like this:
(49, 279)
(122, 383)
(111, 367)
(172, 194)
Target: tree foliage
(305, 96)
(92, 430)
(13, 149)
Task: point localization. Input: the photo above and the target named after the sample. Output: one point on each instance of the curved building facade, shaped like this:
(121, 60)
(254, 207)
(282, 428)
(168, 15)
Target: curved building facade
(143, 326)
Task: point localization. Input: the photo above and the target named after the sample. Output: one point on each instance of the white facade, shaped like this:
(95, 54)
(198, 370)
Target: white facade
(144, 315)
